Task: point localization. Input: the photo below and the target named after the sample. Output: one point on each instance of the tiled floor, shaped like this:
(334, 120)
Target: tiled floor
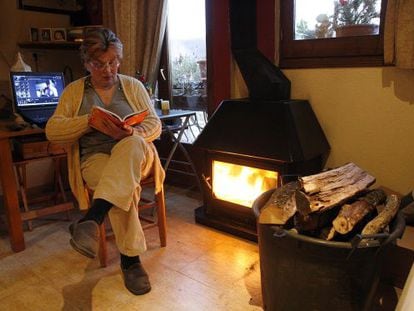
(200, 269)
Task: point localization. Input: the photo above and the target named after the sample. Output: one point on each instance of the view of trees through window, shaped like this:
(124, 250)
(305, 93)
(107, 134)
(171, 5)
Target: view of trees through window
(336, 18)
(187, 46)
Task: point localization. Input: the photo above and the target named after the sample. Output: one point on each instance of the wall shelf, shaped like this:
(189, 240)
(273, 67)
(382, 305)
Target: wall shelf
(50, 45)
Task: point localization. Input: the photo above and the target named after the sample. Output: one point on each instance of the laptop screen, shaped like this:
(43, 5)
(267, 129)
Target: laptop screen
(36, 89)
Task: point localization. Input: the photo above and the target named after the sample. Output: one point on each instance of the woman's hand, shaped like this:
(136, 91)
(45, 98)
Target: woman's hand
(109, 128)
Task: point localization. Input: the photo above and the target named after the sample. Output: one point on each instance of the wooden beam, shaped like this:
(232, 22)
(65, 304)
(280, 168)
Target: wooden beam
(35, 213)
(218, 53)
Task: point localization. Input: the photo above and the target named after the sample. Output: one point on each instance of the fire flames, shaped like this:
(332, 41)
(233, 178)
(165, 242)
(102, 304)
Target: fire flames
(241, 184)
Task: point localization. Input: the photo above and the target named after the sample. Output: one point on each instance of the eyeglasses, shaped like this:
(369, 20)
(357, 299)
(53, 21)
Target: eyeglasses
(97, 65)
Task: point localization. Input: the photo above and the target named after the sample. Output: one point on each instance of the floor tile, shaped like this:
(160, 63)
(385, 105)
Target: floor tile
(200, 269)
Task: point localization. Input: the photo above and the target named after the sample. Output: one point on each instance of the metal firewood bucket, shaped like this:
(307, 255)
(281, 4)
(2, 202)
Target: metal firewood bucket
(299, 272)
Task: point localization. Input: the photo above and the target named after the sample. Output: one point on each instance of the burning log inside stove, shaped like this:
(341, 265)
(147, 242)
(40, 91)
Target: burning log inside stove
(336, 204)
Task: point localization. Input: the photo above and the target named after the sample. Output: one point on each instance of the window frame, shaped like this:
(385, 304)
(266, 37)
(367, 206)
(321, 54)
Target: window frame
(358, 51)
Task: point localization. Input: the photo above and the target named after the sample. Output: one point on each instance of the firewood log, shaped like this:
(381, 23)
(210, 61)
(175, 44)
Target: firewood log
(351, 214)
(331, 234)
(327, 189)
(311, 224)
(327, 233)
(384, 217)
(281, 206)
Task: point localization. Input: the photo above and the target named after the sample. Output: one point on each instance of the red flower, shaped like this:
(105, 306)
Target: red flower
(140, 77)
(343, 2)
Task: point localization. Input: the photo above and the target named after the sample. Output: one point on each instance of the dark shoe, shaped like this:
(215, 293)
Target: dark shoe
(85, 237)
(136, 279)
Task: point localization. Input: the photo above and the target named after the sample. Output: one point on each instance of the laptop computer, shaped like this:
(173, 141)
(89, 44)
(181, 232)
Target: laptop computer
(36, 94)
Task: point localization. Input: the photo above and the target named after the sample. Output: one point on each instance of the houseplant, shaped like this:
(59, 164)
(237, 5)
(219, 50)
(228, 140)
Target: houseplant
(355, 17)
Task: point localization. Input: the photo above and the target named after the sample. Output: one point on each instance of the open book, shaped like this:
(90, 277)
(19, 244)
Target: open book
(98, 114)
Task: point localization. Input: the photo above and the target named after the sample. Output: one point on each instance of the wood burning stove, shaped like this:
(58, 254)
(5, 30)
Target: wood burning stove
(261, 143)
(267, 131)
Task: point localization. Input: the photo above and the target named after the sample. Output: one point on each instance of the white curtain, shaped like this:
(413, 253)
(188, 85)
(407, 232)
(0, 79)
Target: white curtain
(399, 34)
(140, 24)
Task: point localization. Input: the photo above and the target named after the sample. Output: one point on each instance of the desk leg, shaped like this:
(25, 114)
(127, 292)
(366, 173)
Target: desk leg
(11, 200)
(190, 162)
(177, 143)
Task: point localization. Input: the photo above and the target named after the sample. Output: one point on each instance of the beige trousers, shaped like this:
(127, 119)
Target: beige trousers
(116, 179)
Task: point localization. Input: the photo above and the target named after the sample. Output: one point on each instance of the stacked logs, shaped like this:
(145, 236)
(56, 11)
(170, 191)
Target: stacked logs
(332, 205)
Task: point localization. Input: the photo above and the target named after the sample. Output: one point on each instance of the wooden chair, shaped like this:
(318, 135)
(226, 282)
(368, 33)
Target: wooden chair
(157, 218)
(61, 202)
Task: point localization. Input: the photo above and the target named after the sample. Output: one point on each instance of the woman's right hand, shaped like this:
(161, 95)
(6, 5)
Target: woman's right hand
(109, 128)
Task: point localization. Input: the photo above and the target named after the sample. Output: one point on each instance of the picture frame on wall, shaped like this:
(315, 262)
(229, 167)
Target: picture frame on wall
(45, 34)
(59, 34)
(34, 34)
(51, 6)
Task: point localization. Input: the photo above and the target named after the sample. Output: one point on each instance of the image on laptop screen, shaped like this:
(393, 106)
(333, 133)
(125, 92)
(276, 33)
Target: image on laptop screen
(36, 89)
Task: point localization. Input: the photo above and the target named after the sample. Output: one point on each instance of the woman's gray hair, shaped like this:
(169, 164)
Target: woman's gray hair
(97, 41)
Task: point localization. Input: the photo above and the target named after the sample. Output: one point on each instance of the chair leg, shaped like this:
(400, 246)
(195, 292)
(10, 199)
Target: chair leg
(59, 189)
(103, 258)
(162, 229)
(22, 179)
(162, 222)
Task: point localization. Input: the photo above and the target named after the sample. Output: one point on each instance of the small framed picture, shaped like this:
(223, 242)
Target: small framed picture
(58, 34)
(45, 34)
(34, 34)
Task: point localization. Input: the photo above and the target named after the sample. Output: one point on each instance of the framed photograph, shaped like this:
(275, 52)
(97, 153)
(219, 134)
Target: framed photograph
(34, 34)
(51, 6)
(59, 34)
(45, 34)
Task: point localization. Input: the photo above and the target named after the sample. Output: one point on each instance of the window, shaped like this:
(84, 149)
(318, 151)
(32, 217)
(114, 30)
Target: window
(185, 57)
(187, 46)
(316, 33)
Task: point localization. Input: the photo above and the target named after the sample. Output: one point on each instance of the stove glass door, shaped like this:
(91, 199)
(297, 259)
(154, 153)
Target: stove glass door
(240, 184)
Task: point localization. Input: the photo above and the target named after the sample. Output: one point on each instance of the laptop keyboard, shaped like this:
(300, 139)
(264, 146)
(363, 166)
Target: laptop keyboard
(37, 117)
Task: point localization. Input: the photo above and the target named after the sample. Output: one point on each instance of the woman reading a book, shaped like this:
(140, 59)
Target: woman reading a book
(109, 157)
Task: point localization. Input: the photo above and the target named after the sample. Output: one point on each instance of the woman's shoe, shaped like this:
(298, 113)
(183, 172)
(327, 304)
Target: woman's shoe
(136, 279)
(85, 237)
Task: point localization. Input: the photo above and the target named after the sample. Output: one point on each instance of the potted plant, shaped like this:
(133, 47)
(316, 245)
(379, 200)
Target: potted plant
(355, 17)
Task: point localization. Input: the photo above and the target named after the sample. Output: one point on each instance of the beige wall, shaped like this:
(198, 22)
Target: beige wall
(367, 115)
(14, 27)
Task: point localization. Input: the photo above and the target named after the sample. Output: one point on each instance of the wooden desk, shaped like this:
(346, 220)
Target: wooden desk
(10, 189)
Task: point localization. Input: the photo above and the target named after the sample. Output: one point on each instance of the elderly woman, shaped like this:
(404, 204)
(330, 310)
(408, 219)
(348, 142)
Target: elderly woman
(111, 164)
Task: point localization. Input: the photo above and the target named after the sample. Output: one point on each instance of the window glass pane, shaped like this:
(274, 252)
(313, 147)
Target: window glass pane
(187, 61)
(320, 19)
(187, 47)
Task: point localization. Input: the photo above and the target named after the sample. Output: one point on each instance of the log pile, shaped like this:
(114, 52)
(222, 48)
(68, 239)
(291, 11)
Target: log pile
(332, 205)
